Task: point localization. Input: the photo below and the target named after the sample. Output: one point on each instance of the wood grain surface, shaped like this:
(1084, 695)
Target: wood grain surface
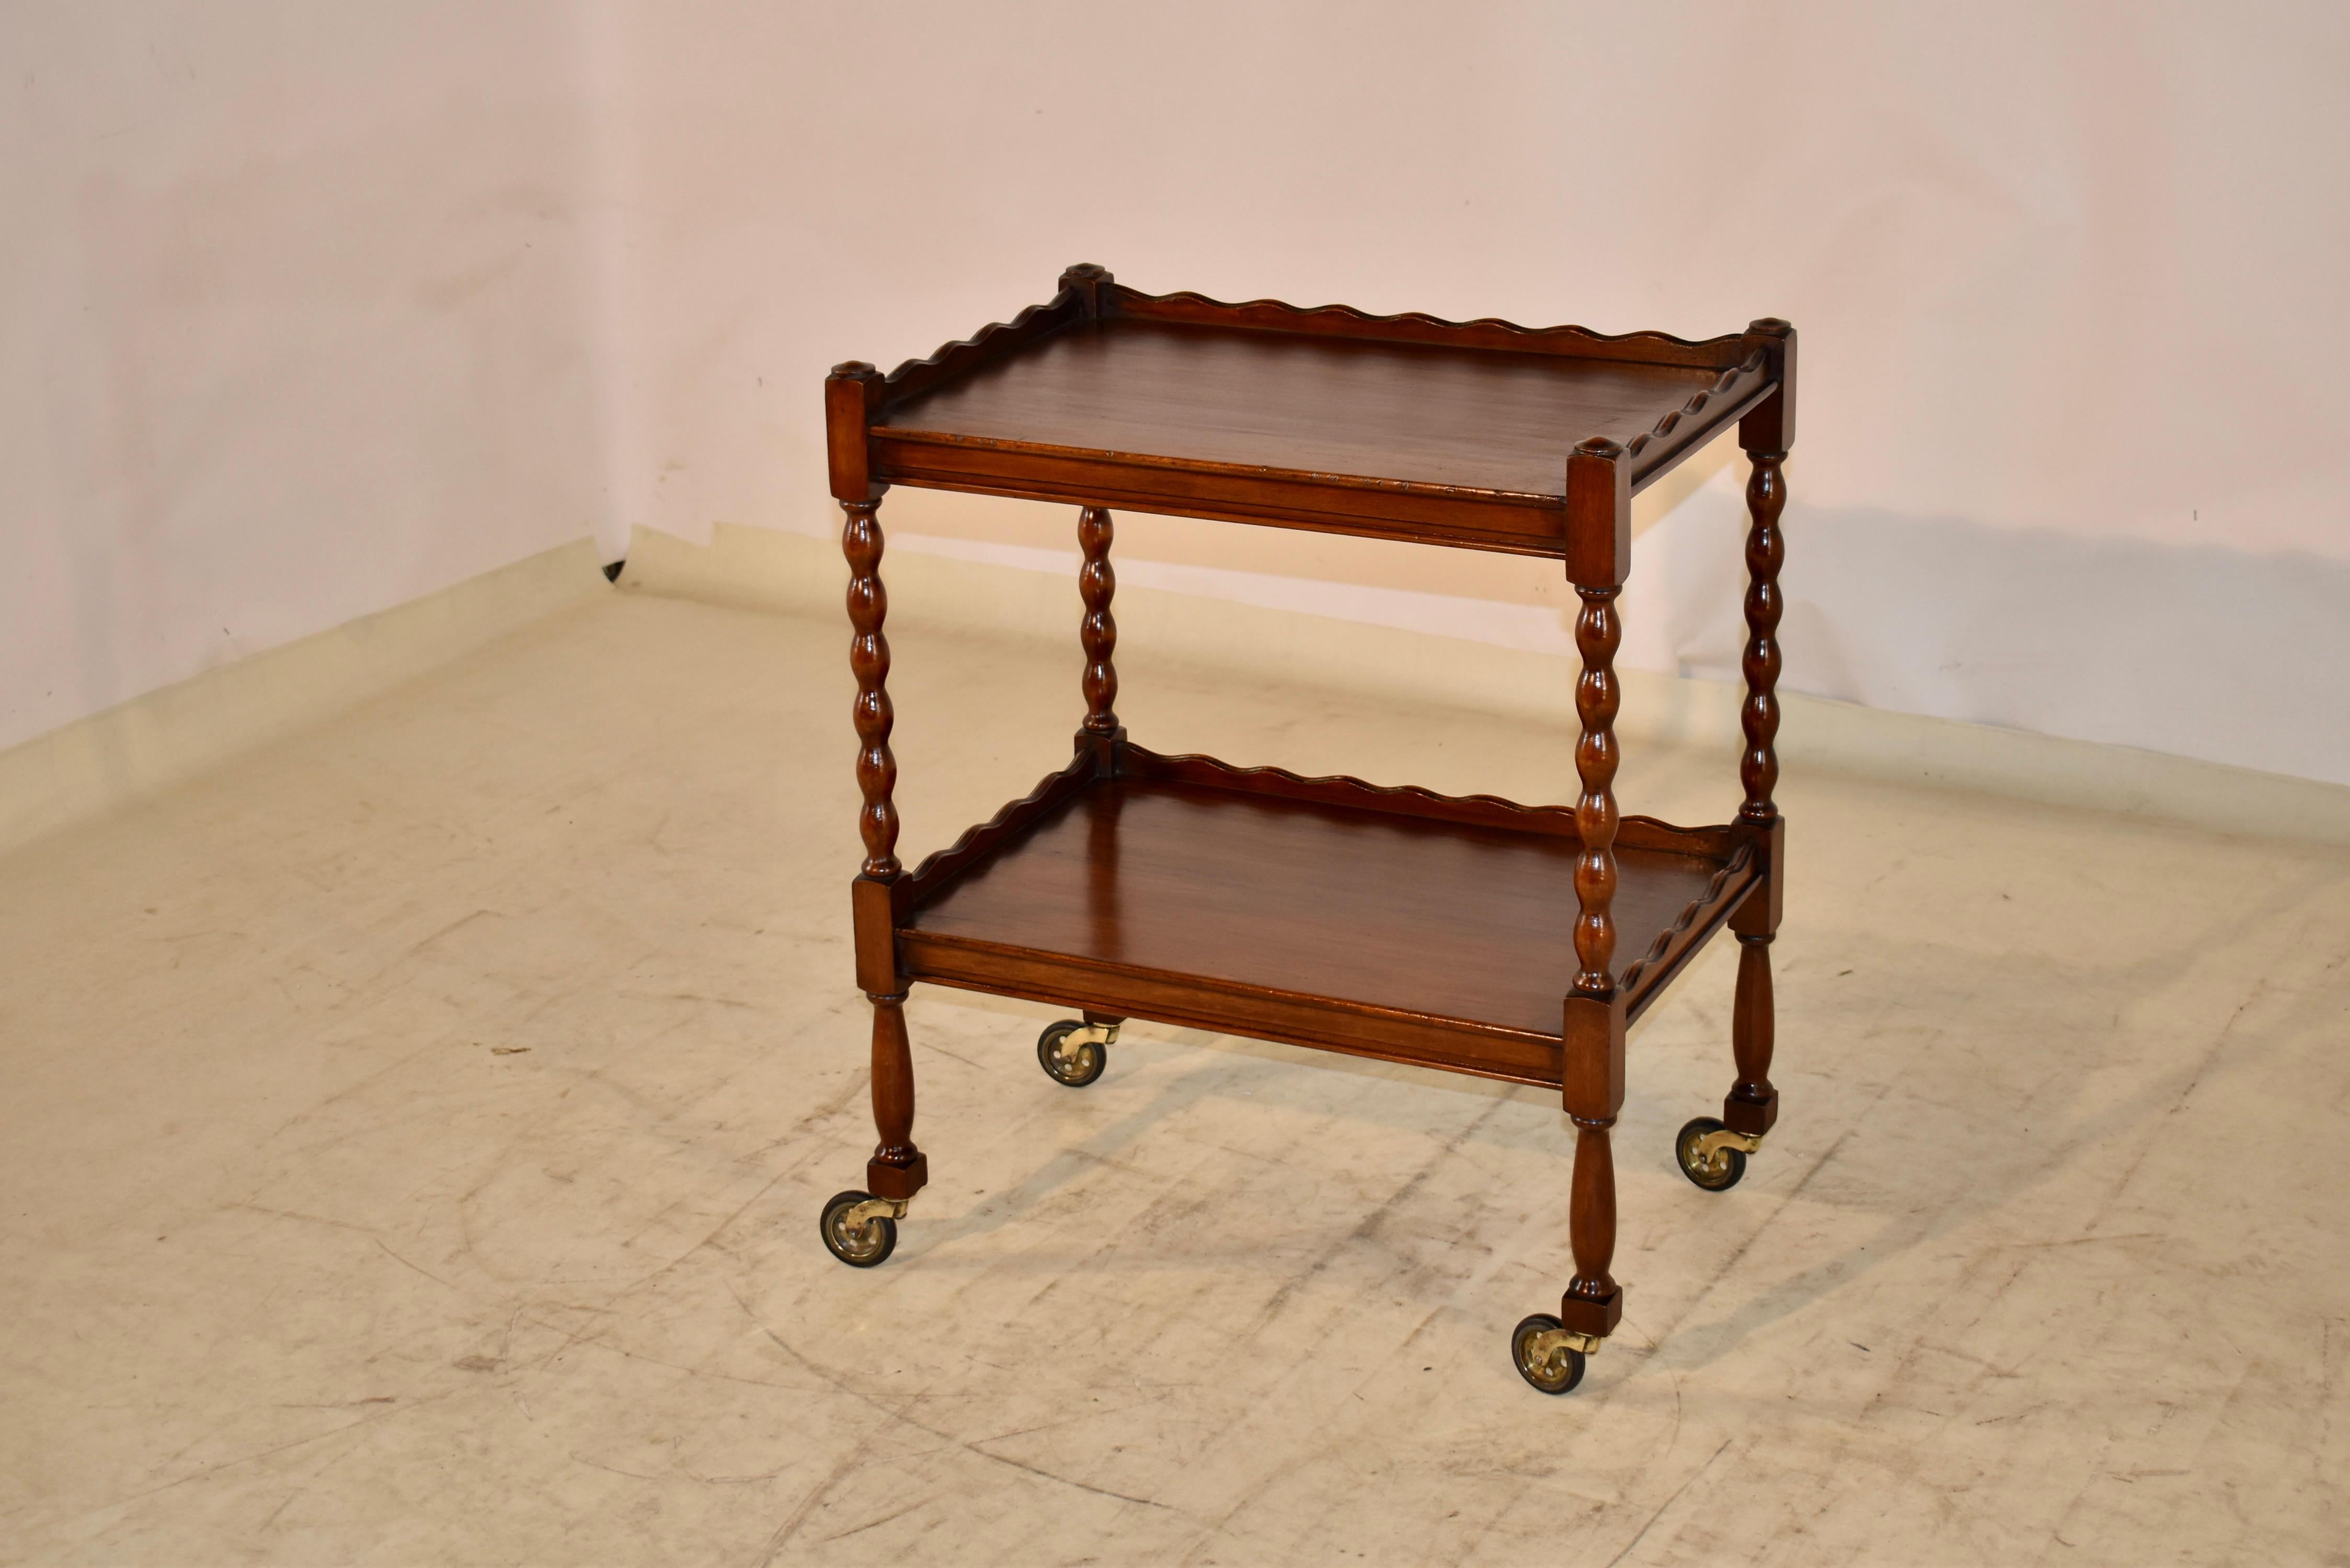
(1441, 919)
(1410, 412)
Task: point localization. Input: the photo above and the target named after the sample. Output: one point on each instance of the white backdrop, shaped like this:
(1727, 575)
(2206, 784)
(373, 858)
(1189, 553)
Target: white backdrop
(2068, 278)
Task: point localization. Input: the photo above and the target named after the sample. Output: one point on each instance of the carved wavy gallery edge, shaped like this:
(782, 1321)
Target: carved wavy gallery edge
(982, 841)
(979, 843)
(1340, 319)
(1414, 800)
(1705, 903)
(1727, 385)
(968, 353)
(1039, 321)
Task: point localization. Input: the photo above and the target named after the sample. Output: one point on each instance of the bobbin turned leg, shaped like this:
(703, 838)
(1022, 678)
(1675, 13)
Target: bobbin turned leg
(1097, 634)
(1073, 1051)
(1713, 1154)
(1550, 1352)
(860, 1227)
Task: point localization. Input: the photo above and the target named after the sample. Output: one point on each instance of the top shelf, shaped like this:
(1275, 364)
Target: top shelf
(1397, 426)
(1484, 420)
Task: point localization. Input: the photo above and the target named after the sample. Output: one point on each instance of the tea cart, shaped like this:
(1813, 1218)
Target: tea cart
(1467, 933)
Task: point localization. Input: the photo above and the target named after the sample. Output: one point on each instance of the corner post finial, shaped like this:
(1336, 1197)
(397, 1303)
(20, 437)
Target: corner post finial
(1095, 286)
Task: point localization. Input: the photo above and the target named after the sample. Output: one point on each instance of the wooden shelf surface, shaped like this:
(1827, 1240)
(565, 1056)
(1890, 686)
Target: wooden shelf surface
(1441, 940)
(1482, 419)
(1401, 427)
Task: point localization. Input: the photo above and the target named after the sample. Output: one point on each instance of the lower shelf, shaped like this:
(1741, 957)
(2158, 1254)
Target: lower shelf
(1392, 923)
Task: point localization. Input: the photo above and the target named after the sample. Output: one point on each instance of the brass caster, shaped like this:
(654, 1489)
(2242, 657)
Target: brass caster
(859, 1229)
(1711, 1156)
(1548, 1354)
(1075, 1054)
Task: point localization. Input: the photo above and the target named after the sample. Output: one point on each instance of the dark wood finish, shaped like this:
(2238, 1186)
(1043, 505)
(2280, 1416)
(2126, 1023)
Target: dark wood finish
(896, 1168)
(1329, 506)
(868, 660)
(997, 340)
(939, 872)
(1752, 1105)
(1411, 800)
(1093, 288)
(852, 401)
(1470, 933)
(1598, 515)
(1758, 769)
(1597, 633)
(872, 907)
(1593, 1091)
(1315, 907)
(1411, 327)
(1399, 427)
(1406, 414)
(1096, 583)
(1593, 1302)
(1770, 425)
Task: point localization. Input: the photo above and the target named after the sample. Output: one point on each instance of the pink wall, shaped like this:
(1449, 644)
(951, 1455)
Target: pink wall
(291, 326)
(323, 307)
(2068, 278)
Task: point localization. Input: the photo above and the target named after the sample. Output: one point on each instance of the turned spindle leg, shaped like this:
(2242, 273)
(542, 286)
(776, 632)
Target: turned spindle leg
(868, 660)
(1549, 1351)
(1766, 551)
(1096, 582)
(897, 1169)
(1593, 1294)
(1752, 1105)
(1595, 1034)
(1596, 634)
(1712, 1153)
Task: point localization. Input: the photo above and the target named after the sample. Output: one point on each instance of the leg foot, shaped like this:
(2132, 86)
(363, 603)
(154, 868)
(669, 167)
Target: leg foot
(1711, 1153)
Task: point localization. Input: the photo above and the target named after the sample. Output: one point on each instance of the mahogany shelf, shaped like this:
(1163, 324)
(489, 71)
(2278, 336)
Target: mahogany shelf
(1467, 933)
(1400, 427)
(1326, 912)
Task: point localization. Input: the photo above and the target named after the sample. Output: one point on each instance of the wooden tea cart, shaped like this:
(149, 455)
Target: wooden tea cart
(1472, 934)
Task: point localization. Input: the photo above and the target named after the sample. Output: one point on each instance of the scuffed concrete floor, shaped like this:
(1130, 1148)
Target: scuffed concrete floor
(413, 1139)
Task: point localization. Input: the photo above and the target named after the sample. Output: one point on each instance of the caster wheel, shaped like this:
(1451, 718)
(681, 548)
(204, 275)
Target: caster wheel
(1555, 1373)
(1076, 1067)
(1718, 1174)
(858, 1246)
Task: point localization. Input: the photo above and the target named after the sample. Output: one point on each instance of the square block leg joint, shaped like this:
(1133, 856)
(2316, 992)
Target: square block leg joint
(1753, 1117)
(885, 1179)
(1581, 1315)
